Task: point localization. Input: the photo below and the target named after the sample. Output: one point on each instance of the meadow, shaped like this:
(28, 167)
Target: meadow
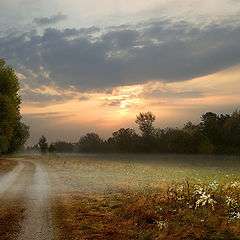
(145, 196)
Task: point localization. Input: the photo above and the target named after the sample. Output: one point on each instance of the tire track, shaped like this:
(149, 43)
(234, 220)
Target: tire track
(7, 179)
(37, 223)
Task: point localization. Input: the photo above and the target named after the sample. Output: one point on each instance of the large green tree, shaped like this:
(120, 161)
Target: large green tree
(13, 133)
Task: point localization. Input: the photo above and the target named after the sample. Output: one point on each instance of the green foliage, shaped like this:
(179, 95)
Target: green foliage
(13, 133)
(43, 145)
(20, 136)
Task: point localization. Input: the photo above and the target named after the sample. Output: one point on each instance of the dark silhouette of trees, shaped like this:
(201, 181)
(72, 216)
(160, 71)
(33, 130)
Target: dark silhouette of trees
(215, 134)
(91, 142)
(125, 140)
(52, 148)
(43, 145)
(148, 139)
(13, 133)
(63, 147)
(145, 122)
(212, 127)
(232, 132)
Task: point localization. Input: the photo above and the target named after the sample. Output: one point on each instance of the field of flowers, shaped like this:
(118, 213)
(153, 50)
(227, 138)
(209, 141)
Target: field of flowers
(166, 197)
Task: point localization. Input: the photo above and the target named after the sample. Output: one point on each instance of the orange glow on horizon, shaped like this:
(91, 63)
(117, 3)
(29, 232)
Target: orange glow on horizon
(120, 106)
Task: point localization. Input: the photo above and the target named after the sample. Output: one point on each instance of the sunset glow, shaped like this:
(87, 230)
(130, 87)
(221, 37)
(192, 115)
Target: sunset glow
(86, 66)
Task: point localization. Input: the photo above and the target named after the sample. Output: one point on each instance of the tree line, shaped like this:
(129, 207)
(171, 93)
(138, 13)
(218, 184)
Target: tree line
(214, 134)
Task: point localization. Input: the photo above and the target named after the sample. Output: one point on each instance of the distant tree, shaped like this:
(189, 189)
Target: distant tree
(232, 132)
(148, 140)
(125, 140)
(13, 133)
(190, 128)
(145, 122)
(206, 147)
(212, 127)
(43, 145)
(91, 142)
(52, 148)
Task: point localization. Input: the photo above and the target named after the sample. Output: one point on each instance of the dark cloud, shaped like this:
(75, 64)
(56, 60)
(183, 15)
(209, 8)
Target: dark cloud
(158, 50)
(50, 20)
(169, 94)
(43, 99)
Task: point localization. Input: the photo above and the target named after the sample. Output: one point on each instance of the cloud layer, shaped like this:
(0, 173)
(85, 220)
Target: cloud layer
(92, 59)
(50, 20)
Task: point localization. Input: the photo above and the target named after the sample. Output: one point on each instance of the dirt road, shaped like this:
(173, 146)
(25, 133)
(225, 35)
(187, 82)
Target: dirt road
(37, 221)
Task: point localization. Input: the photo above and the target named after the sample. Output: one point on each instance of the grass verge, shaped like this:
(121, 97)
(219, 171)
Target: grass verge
(183, 211)
(11, 214)
(13, 201)
(6, 165)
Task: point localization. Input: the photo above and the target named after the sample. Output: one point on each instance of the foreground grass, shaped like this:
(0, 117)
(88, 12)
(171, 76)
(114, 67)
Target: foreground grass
(174, 197)
(178, 213)
(11, 214)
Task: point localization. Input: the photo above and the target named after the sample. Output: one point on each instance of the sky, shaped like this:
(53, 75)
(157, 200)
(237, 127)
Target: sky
(92, 66)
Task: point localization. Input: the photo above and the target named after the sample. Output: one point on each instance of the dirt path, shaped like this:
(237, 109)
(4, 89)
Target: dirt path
(37, 220)
(37, 223)
(9, 178)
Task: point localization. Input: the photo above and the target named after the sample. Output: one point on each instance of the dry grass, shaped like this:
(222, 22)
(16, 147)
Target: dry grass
(156, 214)
(11, 214)
(6, 165)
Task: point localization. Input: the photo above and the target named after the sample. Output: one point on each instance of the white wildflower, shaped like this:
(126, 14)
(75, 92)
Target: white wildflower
(235, 215)
(162, 224)
(225, 186)
(199, 190)
(205, 199)
(213, 185)
(230, 201)
(236, 184)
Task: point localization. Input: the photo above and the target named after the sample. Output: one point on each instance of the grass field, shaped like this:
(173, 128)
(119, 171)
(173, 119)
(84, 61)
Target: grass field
(146, 196)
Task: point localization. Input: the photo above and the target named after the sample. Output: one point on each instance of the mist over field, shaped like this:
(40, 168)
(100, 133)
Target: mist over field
(94, 173)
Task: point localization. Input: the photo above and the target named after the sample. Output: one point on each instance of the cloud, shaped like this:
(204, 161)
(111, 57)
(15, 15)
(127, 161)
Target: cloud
(42, 98)
(50, 20)
(45, 115)
(170, 94)
(90, 59)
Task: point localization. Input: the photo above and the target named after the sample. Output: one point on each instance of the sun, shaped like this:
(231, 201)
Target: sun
(123, 105)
